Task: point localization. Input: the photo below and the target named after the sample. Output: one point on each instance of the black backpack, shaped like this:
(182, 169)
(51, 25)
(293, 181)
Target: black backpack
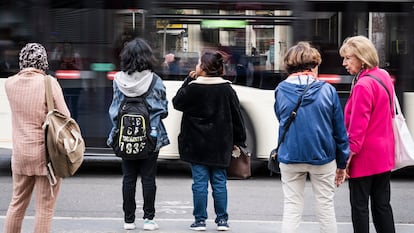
(132, 139)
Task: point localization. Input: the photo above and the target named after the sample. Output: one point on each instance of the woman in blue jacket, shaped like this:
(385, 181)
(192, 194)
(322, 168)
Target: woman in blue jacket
(137, 62)
(316, 142)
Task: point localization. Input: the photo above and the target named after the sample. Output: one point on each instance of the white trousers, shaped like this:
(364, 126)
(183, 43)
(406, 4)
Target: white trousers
(323, 185)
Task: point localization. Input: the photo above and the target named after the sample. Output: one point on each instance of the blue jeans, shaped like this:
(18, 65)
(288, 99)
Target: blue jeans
(147, 168)
(218, 180)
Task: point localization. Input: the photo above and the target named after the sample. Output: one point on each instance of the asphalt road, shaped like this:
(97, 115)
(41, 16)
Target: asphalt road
(91, 201)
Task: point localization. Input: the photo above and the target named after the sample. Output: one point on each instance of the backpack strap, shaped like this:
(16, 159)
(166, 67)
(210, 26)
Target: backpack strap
(154, 80)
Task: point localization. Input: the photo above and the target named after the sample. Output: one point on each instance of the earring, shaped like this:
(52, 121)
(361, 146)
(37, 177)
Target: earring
(362, 66)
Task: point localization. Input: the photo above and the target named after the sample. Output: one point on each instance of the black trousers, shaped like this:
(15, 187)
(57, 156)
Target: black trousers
(377, 188)
(147, 168)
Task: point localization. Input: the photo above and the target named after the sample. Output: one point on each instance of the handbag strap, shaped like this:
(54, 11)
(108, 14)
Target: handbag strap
(397, 110)
(292, 116)
(49, 94)
(50, 107)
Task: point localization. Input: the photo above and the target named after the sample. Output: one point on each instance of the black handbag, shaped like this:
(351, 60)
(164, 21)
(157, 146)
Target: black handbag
(273, 164)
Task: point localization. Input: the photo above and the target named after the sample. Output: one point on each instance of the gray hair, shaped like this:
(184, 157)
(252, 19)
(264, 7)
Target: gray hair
(33, 55)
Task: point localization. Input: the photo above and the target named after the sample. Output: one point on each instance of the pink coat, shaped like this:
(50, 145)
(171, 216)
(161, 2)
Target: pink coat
(368, 120)
(26, 95)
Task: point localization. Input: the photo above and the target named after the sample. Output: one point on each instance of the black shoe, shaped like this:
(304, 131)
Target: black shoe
(222, 225)
(198, 226)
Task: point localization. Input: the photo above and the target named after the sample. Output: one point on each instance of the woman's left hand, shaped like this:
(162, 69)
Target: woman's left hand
(340, 176)
(348, 163)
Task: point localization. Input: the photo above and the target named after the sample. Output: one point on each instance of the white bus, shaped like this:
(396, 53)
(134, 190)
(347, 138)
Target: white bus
(254, 35)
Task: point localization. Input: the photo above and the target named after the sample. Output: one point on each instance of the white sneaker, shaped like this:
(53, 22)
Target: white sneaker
(129, 226)
(150, 225)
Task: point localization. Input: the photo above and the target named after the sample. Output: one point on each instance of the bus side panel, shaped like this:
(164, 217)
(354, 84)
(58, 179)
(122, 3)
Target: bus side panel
(5, 118)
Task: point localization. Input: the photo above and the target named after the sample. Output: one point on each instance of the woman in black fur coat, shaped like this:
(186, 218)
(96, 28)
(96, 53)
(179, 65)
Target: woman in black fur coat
(211, 127)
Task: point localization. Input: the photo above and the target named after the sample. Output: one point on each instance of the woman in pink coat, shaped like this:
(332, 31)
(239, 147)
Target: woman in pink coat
(26, 94)
(368, 120)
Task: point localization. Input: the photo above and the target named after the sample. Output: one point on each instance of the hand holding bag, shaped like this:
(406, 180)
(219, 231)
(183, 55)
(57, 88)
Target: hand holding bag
(239, 164)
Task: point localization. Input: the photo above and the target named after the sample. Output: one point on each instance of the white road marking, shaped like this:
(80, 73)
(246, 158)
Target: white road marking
(186, 220)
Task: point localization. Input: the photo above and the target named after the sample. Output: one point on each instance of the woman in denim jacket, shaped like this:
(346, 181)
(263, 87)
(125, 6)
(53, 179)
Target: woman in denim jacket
(316, 142)
(137, 62)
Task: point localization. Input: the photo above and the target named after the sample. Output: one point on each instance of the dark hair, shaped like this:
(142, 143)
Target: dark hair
(211, 62)
(137, 56)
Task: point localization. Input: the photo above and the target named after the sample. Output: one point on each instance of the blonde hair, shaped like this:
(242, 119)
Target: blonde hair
(362, 48)
(301, 57)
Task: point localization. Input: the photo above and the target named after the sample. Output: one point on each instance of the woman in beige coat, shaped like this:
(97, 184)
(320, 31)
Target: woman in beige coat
(26, 94)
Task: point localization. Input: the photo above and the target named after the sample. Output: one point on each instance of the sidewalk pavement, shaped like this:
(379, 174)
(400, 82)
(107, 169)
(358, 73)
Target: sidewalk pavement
(114, 225)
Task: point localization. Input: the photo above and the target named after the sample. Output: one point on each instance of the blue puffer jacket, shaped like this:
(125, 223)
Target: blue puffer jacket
(317, 136)
(158, 107)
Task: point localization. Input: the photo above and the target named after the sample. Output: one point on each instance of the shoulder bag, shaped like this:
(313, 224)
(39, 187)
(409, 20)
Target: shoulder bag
(404, 144)
(64, 143)
(273, 164)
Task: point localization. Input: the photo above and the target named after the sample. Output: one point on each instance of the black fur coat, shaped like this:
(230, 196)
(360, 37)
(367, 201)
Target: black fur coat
(212, 122)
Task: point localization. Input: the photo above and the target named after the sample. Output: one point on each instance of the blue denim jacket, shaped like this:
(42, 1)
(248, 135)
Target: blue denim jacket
(158, 107)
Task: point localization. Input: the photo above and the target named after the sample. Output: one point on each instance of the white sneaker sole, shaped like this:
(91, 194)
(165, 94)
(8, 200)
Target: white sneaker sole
(221, 228)
(129, 226)
(151, 228)
(198, 228)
